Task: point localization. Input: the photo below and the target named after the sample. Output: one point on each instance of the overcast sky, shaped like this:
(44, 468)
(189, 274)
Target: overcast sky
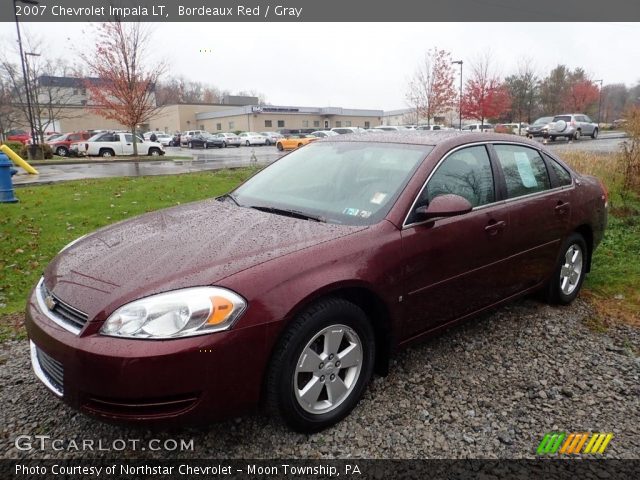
(361, 65)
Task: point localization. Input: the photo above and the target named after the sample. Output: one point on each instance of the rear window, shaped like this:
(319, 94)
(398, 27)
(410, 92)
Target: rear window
(566, 118)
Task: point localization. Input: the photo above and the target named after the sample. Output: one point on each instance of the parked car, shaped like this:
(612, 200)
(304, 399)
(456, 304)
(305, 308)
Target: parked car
(204, 140)
(185, 136)
(60, 145)
(147, 135)
(17, 136)
(272, 137)
(175, 140)
(539, 127)
(388, 128)
(229, 139)
(476, 127)
(572, 126)
(290, 142)
(252, 138)
(324, 133)
(344, 130)
(511, 128)
(165, 139)
(291, 289)
(110, 144)
(430, 127)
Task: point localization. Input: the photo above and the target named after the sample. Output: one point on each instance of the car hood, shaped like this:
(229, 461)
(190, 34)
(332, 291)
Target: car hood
(195, 244)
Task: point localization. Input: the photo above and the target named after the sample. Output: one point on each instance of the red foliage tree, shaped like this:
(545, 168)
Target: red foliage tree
(485, 96)
(581, 94)
(125, 88)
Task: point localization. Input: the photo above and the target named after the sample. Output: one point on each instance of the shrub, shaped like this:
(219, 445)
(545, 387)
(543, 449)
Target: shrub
(629, 163)
(15, 146)
(42, 151)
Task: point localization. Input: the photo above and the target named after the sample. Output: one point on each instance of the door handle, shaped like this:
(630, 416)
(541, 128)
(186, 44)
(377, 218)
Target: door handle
(494, 227)
(562, 208)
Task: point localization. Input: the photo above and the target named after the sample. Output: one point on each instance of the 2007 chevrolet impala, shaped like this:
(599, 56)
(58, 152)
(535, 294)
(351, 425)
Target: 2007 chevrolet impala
(292, 289)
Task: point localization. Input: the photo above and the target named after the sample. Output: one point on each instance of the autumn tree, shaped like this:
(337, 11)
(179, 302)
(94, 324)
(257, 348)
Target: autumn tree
(431, 90)
(125, 90)
(523, 91)
(484, 96)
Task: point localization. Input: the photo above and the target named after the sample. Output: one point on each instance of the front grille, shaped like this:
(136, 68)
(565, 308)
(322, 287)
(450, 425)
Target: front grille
(62, 311)
(140, 408)
(47, 369)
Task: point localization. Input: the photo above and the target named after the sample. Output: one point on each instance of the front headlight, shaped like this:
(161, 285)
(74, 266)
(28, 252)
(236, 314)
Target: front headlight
(181, 313)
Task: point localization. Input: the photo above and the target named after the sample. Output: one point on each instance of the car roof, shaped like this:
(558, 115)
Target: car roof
(450, 138)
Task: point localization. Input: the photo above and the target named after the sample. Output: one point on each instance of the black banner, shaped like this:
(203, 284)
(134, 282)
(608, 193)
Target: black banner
(321, 11)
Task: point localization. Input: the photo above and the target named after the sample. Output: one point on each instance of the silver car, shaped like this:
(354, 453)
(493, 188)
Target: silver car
(571, 126)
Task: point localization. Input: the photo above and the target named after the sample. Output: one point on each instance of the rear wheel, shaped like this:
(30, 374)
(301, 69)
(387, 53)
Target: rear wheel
(62, 151)
(247, 143)
(570, 271)
(106, 153)
(321, 366)
(299, 145)
(267, 142)
(576, 135)
(154, 152)
(280, 147)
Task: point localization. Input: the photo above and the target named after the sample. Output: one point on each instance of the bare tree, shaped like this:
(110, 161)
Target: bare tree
(431, 90)
(125, 90)
(523, 90)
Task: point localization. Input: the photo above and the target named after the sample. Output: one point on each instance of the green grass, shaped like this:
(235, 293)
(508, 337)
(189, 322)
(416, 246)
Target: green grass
(48, 217)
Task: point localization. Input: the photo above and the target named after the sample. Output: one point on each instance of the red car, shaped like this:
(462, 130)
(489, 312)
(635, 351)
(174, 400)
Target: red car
(18, 136)
(60, 145)
(293, 288)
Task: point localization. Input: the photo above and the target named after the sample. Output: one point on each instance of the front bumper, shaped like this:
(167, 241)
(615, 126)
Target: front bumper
(181, 381)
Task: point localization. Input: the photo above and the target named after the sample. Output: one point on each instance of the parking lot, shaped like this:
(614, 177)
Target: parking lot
(198, 159)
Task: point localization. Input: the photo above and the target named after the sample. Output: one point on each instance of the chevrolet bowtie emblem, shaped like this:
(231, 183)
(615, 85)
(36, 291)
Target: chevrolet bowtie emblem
(50, 302)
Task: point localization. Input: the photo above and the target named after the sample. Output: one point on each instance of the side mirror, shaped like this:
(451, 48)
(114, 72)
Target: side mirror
(448, 205)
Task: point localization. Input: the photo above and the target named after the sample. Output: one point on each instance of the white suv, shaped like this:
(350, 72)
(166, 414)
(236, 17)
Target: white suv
(572, 126)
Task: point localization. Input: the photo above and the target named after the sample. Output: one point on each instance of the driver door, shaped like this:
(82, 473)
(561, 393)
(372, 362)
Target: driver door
(455, 266)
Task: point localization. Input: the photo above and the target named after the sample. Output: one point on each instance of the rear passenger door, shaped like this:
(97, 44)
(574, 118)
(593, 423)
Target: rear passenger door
(539, 209)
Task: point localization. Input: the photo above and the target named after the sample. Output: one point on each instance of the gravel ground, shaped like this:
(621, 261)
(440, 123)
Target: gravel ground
(489, 389)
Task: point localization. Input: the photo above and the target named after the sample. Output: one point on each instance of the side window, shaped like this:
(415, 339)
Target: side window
(128, 138)
(587, 119)
(563, 176)
(524, 170)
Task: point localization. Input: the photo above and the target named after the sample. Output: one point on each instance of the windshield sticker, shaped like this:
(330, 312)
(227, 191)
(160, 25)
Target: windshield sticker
(351, 211)
(364, 213)
(525, 170)
(378, 198)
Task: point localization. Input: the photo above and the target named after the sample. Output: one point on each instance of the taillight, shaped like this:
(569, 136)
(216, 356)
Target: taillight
(573, 123)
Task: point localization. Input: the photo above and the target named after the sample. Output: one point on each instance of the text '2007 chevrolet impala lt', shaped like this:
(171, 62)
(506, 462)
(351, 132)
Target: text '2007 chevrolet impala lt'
(290, 291)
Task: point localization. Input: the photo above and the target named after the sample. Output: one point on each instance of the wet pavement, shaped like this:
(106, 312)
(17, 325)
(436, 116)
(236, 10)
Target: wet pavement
(199, 161)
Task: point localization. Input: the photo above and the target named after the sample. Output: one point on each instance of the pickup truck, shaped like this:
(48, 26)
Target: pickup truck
(110, 144)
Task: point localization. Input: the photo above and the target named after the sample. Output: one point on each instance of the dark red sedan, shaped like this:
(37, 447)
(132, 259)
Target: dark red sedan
(294, 288)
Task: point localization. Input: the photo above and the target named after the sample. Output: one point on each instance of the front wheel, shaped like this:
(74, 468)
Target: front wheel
(62, 151)
(570, 271)
(280, 147)
(154, 152)
(247, 143)
(576, 136)
(594, 135)
(321, 366)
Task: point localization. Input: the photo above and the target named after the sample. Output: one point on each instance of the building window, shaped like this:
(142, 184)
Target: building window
(338, 123)
(316, 123)
(305, 124)
(218, 126)
(367, 125)
(280, 123)
(232, 125)
(75, 91)
(83, 91)
(347, 123)
(268, 123)
(201, 127)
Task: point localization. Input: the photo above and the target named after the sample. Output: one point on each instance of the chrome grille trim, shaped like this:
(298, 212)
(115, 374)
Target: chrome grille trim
(49, 371)
(62, 315)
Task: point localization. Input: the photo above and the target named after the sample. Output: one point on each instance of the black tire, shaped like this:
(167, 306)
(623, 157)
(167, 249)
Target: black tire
(62, 151)
(594, 135)
(224, 144)
(190, 145)
(267, 142)
(576, 135)
(562, 293)
(283, 384)
(299, 145)
(107, 153)
(279, 146)
(205, 146)
(154, 152)
(247, 143)
(553, 139)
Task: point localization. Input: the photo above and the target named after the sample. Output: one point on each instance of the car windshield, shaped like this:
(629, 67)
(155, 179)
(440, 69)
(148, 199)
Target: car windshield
(542, 121)
(353, 183)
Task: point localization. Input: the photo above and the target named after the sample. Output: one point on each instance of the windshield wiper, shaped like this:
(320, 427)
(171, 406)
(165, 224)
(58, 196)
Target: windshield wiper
(228, 195)
(290, 213)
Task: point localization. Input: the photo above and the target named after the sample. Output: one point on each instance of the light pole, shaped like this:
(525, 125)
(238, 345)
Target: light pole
(34, 98)
(32, 148)
(459, 62)
(599, 100)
